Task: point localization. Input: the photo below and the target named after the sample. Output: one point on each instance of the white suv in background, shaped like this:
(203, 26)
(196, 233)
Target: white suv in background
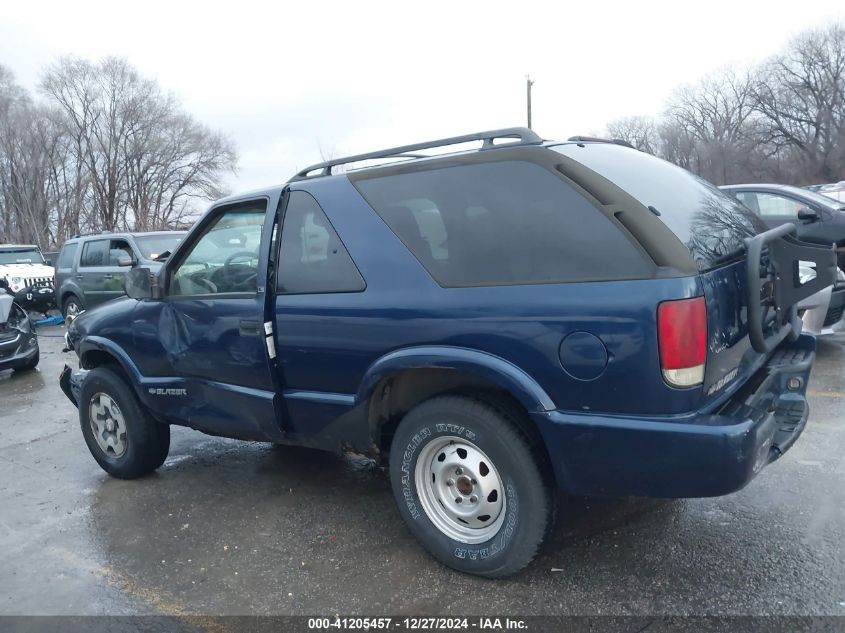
(23, 265)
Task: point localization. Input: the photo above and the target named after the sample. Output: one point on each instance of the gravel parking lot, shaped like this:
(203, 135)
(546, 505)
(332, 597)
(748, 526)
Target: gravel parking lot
(229, 527)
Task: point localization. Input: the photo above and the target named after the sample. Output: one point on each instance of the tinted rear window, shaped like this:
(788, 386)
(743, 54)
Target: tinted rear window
(495, 223)
(66, 256)
(711, 224)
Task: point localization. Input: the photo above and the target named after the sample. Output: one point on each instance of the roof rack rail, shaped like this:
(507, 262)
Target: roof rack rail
(523, 134)
(100, 232)
(598, 139)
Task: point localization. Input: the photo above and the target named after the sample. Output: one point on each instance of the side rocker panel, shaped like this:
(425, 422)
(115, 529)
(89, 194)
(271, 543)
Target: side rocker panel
(208, 406)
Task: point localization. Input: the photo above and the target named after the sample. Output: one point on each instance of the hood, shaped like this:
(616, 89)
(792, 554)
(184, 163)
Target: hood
(105, 320)
(28, 271)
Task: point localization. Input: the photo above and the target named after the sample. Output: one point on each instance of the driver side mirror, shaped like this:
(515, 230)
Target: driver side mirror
(125, 260)
(807, 214)
(140, 283)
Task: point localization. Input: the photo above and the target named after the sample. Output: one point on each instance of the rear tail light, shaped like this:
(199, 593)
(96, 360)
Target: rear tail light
(682, 340)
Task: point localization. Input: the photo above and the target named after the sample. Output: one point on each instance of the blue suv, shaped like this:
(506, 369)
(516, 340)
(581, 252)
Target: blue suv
(495, 325)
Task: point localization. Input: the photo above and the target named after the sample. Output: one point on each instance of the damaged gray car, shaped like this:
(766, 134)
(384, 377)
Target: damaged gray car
(18, 341)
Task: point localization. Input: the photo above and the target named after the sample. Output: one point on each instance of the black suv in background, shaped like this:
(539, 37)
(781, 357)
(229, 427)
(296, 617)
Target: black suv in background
(90, 269)
(819, 219)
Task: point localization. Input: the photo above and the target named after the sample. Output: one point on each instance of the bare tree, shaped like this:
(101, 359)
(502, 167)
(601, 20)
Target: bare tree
(639, 131)
(25, 136)
(801, 97)
(171, 162)
(782, 121)
(144, 159)
(715, 113)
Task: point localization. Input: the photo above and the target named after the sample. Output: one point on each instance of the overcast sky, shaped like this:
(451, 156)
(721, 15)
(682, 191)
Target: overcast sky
(285, 79)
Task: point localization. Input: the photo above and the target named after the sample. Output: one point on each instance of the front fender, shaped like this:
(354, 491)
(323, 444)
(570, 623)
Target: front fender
(90, 344)
(494, 368)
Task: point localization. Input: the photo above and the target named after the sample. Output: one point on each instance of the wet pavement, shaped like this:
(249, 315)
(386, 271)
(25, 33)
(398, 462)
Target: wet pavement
(229, 527)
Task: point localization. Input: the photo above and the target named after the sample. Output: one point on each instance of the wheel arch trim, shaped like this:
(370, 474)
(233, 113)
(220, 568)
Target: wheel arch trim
(504, 373)
(91, 344)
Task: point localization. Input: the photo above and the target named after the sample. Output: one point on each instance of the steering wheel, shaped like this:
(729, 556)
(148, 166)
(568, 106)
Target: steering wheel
(241, 277)
(206, 283)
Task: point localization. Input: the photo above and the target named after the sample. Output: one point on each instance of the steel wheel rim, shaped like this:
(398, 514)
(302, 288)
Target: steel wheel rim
(450, 468)
(107, 424)
(72, 308)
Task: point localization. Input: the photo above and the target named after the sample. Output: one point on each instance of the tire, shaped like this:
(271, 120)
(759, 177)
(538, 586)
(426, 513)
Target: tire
(32, 364)
(72, 306)
(144, 443)
(493, 543)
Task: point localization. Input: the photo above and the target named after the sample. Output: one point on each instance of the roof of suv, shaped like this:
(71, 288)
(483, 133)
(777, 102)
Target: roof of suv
(94, 236)
(757, 185)
(514, 137)
(17, 246)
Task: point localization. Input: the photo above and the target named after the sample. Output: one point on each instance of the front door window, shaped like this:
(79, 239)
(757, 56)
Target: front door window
(224, 260)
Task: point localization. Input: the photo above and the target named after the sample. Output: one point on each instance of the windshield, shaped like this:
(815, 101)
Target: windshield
(151, 246)
(21, 256)
(711, 224)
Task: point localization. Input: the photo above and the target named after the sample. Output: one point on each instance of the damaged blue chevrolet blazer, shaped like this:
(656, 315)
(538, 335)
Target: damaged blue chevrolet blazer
(494, 324)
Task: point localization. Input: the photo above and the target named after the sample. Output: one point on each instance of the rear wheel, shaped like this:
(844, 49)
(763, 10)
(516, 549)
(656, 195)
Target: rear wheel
(126, 442)
(471, 485)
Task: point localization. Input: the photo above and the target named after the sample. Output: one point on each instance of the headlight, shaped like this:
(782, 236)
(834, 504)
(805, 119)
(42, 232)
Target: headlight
(16, 283)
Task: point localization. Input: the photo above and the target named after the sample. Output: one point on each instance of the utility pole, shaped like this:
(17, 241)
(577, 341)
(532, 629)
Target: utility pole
(528, 84)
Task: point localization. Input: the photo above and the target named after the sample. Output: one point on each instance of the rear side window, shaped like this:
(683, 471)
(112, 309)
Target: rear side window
(499, 223)
(711, 224)
(771, 205)
(312, 259)
(95, 253)
(67, 255)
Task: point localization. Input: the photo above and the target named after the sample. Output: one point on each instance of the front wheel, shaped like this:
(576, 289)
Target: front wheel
(72, 306)
(126, 442)
(471, 485)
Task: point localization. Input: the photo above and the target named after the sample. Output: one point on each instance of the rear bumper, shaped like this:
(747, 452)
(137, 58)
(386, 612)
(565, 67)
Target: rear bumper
(701, 455)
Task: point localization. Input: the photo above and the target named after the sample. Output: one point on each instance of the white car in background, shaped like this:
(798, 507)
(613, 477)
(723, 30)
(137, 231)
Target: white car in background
(816, 312)
(835, 191)
(23, 265)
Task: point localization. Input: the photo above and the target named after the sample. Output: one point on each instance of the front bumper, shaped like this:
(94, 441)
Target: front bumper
(701, 455)
(18, 351)
(71, 381)
(835, 311)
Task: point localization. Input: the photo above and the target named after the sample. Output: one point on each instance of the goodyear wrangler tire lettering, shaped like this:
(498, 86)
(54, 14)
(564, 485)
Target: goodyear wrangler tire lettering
(470, 485)
(416, 440)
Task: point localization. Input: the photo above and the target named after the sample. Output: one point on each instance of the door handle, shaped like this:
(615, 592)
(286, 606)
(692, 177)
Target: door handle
(80, 276)
(250, 328)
